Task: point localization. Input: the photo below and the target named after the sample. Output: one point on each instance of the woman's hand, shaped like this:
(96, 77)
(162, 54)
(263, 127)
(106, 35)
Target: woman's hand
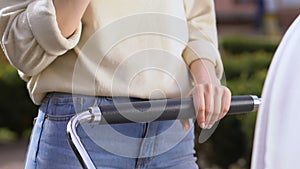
(211, 99)
(69, 14)
(211, 103)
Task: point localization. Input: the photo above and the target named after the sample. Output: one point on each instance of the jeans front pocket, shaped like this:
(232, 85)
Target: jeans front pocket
(55, 151)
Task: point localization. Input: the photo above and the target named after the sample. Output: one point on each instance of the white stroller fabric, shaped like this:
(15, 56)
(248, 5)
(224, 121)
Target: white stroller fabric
(277, 133)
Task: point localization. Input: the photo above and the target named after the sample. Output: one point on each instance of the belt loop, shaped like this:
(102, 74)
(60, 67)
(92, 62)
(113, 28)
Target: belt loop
(34, 120)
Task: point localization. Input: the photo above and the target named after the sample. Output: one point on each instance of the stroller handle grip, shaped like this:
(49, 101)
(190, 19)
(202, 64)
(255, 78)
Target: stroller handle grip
(166, 109)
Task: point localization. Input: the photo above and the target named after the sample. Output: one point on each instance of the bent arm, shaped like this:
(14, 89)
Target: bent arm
(69, 14)
(30, 36)
(203, 40)
(211, 99)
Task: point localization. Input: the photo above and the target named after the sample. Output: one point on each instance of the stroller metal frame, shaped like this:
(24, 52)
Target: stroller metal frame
(144, 111)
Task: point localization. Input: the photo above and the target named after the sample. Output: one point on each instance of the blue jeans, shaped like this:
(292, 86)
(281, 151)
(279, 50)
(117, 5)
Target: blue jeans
(161, 144)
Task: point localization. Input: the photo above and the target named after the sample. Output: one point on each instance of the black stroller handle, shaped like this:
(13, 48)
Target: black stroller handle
(144, 111)
(166, 109)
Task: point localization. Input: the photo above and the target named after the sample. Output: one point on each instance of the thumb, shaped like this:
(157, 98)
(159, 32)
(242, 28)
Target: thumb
(185, 124)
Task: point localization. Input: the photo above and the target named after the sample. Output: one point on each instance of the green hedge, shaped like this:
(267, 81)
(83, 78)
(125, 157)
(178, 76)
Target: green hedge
(243, 44)
(245, 73)
(16, 110)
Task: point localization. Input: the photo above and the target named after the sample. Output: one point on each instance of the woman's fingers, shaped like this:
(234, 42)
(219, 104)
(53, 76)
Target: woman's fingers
(211, 103)
(225, 104)
(185, 124)
(215, 111)
(199, 104)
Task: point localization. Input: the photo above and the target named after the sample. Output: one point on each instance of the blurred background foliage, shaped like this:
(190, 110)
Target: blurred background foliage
(16, 110)
(246, 61)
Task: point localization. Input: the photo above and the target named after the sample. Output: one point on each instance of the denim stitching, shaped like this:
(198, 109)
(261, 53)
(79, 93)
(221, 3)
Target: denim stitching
(45, 106)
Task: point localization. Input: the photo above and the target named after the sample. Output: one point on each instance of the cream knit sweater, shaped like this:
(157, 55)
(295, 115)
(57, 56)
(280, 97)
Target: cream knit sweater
(137, 48)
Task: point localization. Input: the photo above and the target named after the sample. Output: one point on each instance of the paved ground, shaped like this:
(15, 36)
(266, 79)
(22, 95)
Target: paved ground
(12, 155)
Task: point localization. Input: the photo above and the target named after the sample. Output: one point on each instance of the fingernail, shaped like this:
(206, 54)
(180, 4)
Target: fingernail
(185, 127)
(202, 125)
(210, 126)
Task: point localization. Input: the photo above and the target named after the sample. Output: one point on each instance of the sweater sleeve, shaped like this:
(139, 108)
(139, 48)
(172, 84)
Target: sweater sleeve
(203, 40)
(30, 36)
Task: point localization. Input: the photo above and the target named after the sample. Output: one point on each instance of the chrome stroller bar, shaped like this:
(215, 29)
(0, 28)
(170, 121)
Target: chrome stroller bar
(143, 111)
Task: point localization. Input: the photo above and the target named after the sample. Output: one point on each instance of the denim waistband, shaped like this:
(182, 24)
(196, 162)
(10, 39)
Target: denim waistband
(55, 95)
(59, 103)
